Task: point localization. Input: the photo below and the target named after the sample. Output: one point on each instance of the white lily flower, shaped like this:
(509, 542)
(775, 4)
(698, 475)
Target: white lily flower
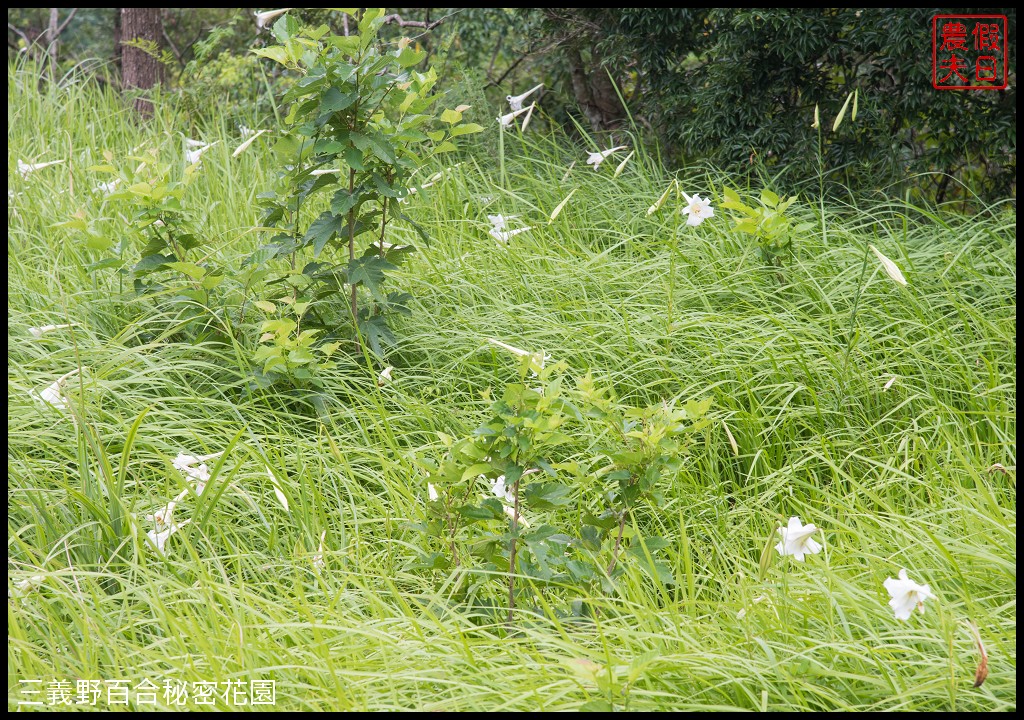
(29, 584)
(891, 269)
(25, 168)
(38, 332)
(516, 101)
(506, 120)
(53, 394)
(697, 209)
(906, 595)
(281, 498)
(510, 348)
(184, 461)
(194, 156)
(245, 132)
(503, 236)
(432, 492)
(817, 120)
(263, 18)
(159, 538)
(245, 146)
(194, 468)
(596, 158)
(318, 556)
(162, 518)
(500, 222)
(537, 359)
(201, 475)
(50, 395)
(108, 187)
(323, 171)
(797, 541)
(385, 376)
(501, 491)
(189, 142)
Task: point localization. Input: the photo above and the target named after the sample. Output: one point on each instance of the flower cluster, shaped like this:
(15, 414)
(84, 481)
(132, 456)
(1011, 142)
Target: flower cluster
(798, 542)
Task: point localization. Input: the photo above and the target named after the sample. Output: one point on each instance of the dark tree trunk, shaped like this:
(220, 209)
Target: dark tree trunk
(140, 68)
(604, 92)
(594, 91)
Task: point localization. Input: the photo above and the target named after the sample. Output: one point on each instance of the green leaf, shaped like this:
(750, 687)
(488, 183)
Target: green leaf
(343, 200)
(323, 229)
(769, 198)
(484, 511)
(186, 268)
(451, 117)
(546, 496)
(354, 158)
(211, 281)
(409, 57)
(466, 129)
(266, 306)
(275, 53)
(334, 100)
(151, 262)
(369, 271)
(287, 149)
(653, 545)
(473, 470)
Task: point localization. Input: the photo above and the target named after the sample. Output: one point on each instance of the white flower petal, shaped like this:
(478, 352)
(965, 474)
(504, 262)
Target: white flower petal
(891, 269)
(245, 146)
(281, 498)
(263, 18)
(516, 101)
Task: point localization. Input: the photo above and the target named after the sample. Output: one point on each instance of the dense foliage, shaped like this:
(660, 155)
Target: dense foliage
(737, 86)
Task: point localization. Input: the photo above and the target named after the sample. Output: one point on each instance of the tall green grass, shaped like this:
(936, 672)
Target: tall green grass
(895, 478)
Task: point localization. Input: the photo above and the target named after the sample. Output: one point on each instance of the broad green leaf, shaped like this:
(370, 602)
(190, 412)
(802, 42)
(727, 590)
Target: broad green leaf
(451, 117)
(466, 129)
(275, 53)
(186, 268)
(335, 100)
(322, 230)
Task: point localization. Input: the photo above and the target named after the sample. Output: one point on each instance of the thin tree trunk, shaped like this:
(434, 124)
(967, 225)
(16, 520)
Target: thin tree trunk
(594, 91)
(52, 39)
(140, 70)
(581, 88)
(604, 93)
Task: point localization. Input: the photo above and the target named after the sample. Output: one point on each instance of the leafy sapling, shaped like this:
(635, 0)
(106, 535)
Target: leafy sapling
(362, 121)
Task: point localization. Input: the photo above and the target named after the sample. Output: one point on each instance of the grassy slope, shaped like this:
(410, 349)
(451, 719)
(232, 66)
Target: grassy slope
(896, 479)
